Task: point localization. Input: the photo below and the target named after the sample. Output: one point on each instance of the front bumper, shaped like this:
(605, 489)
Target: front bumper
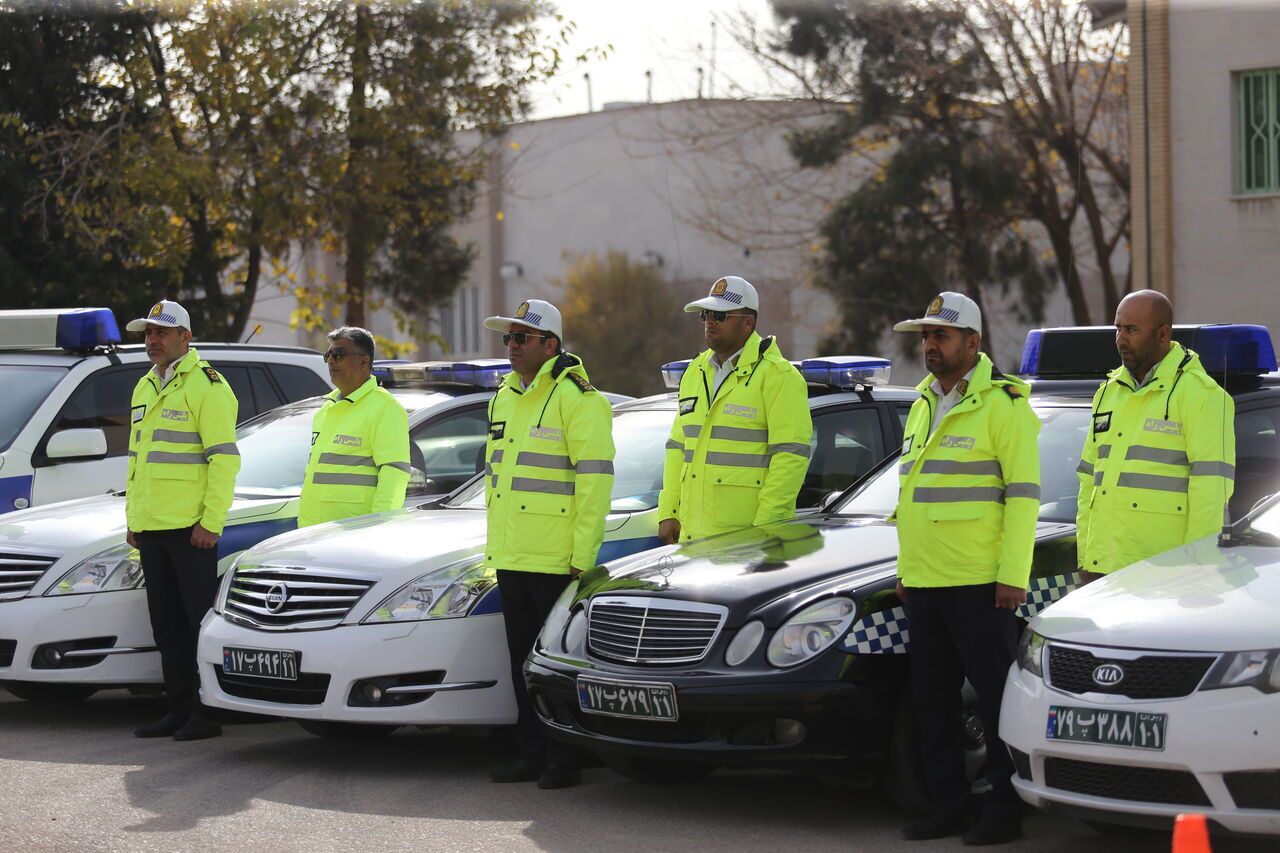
(467, 658)
(1213, 738)
(830, 727)
(115, 623)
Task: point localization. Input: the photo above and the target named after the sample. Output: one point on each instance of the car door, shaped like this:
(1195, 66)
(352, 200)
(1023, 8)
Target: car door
(847, 443)
(447, 450)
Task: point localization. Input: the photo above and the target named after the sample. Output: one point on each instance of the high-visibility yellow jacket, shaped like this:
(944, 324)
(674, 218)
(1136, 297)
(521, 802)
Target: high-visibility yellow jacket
(183, 458)
(970, 491)
(359, 456)
(1158, 466)
(737, 457)
(550, 470)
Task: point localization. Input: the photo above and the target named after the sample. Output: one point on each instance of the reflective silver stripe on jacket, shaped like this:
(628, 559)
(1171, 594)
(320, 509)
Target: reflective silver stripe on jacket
(692, 430)
(1104, 451)
(905, 468)
(227, 449)
(175, 458)
(399, 466)
(955, 494)
(1213, 469)
(594, 466)
(739, 433)
(951, 466)
(176, 436)
(496, 456)
(1153, 482)
(544, 460)
(1097, 477)
(688, 456)
(1084, 467)
(794, 447)
(672, 444)
(739, 460)
(1022, 490)
(349, 459)
(1144, 453)
(133, 454)
(546, 487)
(327, 478)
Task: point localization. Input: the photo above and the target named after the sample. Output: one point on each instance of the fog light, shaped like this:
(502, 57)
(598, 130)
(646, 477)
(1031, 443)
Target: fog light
(544, 710)
(372, 693)
(53, 656)
(787, 732)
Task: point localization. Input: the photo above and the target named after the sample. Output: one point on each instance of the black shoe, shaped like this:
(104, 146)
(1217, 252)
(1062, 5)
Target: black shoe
(937, 825)
(521, 771)
(165, 726)
(198, 728)
(557, 776)
(988, 831)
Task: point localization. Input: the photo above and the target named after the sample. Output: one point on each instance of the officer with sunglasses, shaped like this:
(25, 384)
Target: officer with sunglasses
(739, 447)
(359, 439)
(550, 476)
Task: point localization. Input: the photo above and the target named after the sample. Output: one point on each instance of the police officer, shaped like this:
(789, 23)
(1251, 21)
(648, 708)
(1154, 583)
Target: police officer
(183, 463)
(739, 446)
(548, 485)
(1158, 465)
(966, 516)
(359, 439)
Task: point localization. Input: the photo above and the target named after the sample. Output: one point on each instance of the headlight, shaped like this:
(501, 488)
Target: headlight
(1260, 669)
(1031, 653)
(576, 634)
(553, 628)
(442, 594)
(745, 643)
(810, 631)
(113, 569)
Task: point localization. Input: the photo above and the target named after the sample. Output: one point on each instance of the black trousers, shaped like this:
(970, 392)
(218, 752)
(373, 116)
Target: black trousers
(957, 633)
(182, 581)
(527, 599)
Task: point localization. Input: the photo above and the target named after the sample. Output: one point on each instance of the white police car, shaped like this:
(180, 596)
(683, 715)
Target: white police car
(64, 426)
(358, 626)
(73, 615)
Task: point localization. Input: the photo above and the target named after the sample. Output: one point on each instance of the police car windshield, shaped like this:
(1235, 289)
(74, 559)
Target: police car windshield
(25, 387)
(639, 439)
(273, 451)
(1062, 434)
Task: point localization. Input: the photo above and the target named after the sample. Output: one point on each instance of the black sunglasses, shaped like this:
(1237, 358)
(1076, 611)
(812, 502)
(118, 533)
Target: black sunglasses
(719, 316)
(338, 354)
(520, 338)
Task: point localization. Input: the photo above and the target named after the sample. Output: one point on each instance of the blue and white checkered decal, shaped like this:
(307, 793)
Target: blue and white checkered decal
(886, 632)
(730, 296)
(531, 319)
(949, 315)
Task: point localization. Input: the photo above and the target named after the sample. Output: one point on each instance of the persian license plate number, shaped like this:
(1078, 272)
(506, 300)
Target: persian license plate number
(636, 700)
(261, 663)
(1130, 729)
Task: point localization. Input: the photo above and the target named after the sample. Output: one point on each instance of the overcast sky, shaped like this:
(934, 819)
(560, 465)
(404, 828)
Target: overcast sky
(672, 38)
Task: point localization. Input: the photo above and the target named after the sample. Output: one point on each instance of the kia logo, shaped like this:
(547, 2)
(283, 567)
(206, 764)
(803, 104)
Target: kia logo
(277, 597)
(1108, 675)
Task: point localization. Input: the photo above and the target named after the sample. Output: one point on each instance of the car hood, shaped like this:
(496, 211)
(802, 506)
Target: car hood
(389, 544)
(68, 525)
(1196, 598)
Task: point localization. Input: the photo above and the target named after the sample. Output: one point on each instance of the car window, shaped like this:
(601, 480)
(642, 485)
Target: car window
(102, 402)
(1257, 458)
(25, 388)
(298, 383)
(265, 394)
(237, 376)
(450, 449)
(846, 444)
(273, 452)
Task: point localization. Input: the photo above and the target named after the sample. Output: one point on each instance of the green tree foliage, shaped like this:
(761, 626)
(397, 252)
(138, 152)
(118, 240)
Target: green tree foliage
(624, 318)
(941, 212)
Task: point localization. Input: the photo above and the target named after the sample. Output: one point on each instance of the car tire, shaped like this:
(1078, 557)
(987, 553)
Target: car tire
(345, 731)
(904, 779)
(656, 771)
(50, 694)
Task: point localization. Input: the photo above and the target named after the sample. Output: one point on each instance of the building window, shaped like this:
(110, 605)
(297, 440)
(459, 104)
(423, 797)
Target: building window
(1258, 157)
(460, 321)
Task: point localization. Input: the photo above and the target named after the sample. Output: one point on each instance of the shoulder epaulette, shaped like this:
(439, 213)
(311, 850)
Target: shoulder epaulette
(211, 373)
(583, 385)
(1012, 392)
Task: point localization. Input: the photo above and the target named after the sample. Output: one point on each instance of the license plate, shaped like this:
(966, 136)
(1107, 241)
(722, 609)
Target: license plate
(637, 700)
(261, 663)
(1132, 729)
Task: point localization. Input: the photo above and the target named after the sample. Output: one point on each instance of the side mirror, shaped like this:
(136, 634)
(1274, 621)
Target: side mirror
(77, 444)
(419, 483)
(828, 500)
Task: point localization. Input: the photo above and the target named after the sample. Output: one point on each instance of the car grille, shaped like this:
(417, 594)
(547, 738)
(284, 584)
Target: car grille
(7, 649)
(20, 571)
(283, 598)
(634, 629)
(309, 689)
(1120, 782)
(1154, 676)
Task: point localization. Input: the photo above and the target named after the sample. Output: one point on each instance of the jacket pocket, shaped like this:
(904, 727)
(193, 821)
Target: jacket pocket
(1144, 500)
(954, 512)
(543, 525)
(169, 471)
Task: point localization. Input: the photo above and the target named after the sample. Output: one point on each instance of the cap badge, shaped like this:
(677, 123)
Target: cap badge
(522, 310)
(719, 288)
(935, 307)
(156, 309)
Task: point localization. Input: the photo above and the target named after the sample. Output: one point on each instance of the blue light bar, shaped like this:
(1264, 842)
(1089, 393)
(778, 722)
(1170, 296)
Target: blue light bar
(64, 328)
(483, 372)
(1236, 349)
(382, 368)
(846, 371)
(85, 328)
(672, 371)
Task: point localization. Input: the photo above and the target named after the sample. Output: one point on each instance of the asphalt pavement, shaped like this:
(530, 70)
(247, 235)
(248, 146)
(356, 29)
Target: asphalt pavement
(73, 777)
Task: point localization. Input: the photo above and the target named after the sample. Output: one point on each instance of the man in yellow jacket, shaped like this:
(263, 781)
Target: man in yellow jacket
(359, 439)
(1158, 466)
(182, 471)
(967, 507)
(548, 484)
(739, 446)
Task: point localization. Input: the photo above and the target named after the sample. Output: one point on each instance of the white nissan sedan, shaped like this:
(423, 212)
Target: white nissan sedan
(1156, 690)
